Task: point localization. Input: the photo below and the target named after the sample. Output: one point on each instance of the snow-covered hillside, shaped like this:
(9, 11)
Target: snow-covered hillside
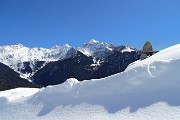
(147, 90)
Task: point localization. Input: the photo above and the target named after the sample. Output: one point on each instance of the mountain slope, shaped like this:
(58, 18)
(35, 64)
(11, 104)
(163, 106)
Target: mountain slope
(116, 62)
(78, 66)
(147, 89)
(10, 79)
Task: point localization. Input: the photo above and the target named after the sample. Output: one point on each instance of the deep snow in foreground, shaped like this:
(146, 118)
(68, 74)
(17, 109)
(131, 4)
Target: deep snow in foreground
(147, 90)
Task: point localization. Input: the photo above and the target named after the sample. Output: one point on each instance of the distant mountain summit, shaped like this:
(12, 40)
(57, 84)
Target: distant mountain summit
(99, 50)
(53, 66)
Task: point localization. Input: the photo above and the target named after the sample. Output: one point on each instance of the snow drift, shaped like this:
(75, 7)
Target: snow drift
(148, 89)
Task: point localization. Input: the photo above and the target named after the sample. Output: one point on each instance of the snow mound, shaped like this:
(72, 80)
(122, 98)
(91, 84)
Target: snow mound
(18, 93)
(148, 89)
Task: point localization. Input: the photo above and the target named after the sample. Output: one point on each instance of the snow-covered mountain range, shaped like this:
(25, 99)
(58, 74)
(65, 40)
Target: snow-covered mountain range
(146, 90)
(15, 56)
(27, 61)
(93, 60)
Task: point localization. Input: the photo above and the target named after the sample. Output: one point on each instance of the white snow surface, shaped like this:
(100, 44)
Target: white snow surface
(18, 94)
(147, 90)
(127, 49)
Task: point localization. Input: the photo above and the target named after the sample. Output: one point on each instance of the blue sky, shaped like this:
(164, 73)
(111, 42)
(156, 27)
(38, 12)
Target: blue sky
(46, 23)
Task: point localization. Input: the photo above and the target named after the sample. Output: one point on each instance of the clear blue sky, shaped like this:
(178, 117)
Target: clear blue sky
(45, 23)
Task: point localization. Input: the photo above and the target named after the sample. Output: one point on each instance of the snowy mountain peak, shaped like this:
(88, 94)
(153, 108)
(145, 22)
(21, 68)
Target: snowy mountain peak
(66, 45)
(96, 49)
(12, 47)
(127, 49)
(18, 45)
(92, 41)
(59, 46)
(16, 56)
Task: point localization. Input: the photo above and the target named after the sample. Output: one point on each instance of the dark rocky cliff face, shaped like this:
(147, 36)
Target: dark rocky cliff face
(116, 62)
(28, 68)
(83, 67)
(77, 66)
(9, 79)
